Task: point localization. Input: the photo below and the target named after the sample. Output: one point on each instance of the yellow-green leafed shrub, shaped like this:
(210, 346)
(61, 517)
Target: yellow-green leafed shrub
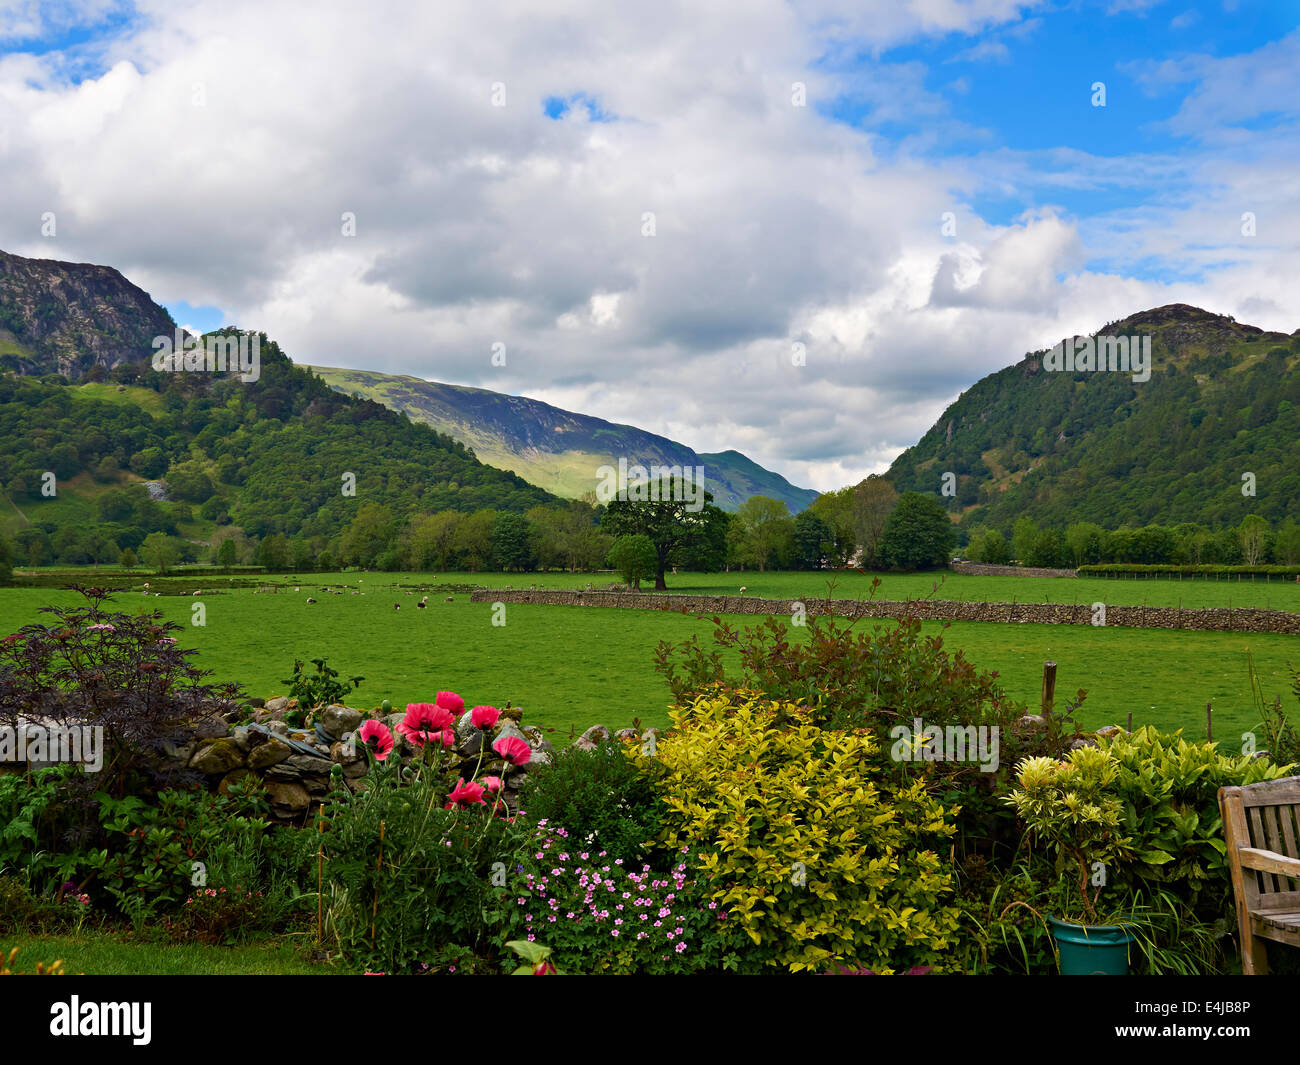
(818, 858)
(1168, 789)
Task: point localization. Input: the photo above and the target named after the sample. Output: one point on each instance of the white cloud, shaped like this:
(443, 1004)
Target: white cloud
(213, 156)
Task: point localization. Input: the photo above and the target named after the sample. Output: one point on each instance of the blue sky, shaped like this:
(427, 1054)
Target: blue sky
(646, 220)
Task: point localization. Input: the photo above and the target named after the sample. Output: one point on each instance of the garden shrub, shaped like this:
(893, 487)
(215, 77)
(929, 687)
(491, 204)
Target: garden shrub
(1169, 791)
(122, 672)
(882, 678)
(809, 847)
(148, 864)
(603, 801)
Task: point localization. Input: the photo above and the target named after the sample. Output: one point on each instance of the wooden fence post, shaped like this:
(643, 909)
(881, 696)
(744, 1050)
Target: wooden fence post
(1049, 687)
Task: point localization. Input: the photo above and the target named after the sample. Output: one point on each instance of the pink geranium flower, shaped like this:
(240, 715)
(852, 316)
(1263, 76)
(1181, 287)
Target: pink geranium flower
(424, 722)
(465, 794)
(378, 738)
(484, 716)
(513, 750)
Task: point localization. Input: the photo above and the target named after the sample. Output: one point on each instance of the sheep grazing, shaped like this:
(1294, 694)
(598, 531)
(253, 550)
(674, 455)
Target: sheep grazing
(743, 589)
(310, 599)
(423, 604)
(449, 599)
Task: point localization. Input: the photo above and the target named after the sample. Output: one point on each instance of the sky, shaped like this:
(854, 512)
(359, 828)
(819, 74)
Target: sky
(796, 229)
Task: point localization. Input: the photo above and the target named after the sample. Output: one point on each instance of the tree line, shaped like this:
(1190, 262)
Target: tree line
(1255, 541)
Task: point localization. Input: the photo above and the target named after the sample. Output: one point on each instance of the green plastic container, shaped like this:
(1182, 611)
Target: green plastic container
(1091, 950)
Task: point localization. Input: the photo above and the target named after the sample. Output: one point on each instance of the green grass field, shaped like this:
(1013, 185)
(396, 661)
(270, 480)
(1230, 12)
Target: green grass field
(571, 667)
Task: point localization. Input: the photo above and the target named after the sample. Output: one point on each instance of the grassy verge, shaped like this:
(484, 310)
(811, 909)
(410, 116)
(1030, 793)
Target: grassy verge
(109, 954)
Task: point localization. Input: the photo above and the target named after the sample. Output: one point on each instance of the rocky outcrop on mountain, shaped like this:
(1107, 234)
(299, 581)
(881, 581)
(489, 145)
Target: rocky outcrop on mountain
(58, 317)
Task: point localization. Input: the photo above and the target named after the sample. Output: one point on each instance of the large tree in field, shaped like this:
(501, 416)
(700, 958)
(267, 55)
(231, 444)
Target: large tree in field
(836, 510)
(872, 501)
(766, 529)
(634, 557)
(918, 534)
(511, 549)
(677, 530)
(159, 551)
(812, 541)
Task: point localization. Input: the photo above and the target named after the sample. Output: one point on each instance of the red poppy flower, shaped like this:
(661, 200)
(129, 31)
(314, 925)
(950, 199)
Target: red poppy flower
(466, 794)
(451, 702)
(484, 716)
(377, 736)
(513, 750)
(493, 784)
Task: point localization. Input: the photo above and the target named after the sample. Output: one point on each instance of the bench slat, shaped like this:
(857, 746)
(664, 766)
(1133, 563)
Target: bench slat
(1259, 838)
(1284, 792)
(1288, 815)
(1269, 861)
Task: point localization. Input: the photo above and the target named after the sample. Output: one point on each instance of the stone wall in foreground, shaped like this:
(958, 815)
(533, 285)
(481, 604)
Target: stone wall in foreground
(1215, 619)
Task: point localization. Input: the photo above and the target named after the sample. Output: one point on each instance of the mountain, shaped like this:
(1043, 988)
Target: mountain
(557, 449)
(1062, 446)
(98, 449)
(64, 318)
(280, 455)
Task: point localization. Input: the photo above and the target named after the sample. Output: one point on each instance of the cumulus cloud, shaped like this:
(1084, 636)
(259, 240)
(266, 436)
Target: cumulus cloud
(653, 253)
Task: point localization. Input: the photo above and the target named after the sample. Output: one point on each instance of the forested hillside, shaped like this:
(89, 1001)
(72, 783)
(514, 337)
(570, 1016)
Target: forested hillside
(270, 457)
(1058, 447)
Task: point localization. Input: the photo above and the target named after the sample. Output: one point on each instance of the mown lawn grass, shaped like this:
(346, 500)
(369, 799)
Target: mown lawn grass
(121, 954)
(572, 667)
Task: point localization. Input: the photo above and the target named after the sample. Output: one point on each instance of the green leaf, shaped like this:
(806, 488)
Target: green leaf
(1155, 857)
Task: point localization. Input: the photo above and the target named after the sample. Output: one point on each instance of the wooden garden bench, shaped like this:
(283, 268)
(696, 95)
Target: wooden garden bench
(1261, 825)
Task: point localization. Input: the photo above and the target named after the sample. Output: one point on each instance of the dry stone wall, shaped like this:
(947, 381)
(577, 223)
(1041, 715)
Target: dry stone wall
(985, 569)
(1215, 619)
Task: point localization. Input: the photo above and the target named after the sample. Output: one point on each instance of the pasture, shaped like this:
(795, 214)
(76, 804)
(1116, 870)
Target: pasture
(571, 667)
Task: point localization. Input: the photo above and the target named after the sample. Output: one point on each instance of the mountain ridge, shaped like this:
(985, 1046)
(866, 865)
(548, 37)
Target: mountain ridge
(520, 434)
(1068, 446)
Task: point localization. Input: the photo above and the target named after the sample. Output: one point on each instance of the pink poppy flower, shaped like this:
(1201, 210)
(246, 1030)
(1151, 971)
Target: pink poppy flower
(484, 716)
(513, 750)
(466, 794)
(451, 702)
(378, 738)
(424, 722)
(493, 784)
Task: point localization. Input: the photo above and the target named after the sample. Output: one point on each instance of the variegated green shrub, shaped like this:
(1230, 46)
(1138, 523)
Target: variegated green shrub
(816, 856)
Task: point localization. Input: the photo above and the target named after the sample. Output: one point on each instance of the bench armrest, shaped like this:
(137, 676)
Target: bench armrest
(1268, 861)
